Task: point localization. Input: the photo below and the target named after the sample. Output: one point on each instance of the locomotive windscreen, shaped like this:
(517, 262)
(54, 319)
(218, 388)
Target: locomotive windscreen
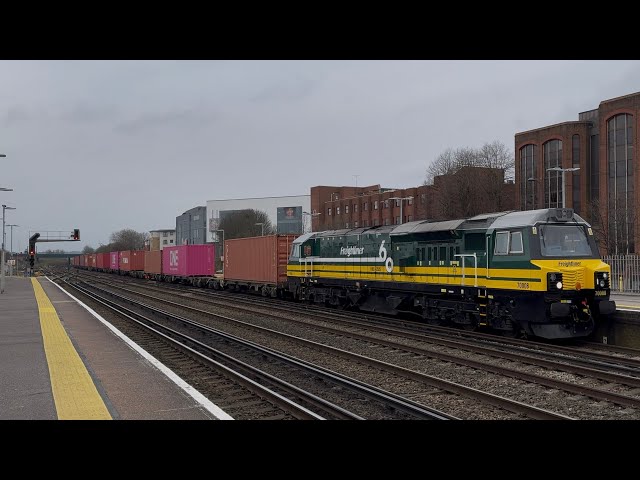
(564, 241)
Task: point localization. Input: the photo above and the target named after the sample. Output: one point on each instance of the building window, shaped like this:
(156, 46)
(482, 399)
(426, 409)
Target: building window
(409, 218)
(366, 206)
(397, 203)
(386, 221)
(621, 211)
(375, 222)
(410, 200)
(329, 212)
(346, 225)
(423, 198)
(355, 207)
(594, 167)
(528, 176)
(164, 242)
(337, 210)
(386, 204)
(375, 205)
(164, 234)
(552, 154)
(365, 223)
(171, 241)
(575, 183)
(398, 220)
(355, 224)
(346, 209)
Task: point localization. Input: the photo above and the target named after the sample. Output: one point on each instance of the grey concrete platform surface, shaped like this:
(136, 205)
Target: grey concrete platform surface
(131, 387)
(25, 387)
(626, 301)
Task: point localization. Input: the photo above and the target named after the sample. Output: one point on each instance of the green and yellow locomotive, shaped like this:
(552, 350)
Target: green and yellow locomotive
(536, 272)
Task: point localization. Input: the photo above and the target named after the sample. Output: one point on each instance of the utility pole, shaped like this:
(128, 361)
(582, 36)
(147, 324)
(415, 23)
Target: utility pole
(564, 188)
(2, 267)
(402, 199)
(11, 226)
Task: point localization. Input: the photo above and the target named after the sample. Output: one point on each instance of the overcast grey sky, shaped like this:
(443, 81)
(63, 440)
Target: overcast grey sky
(106, 145)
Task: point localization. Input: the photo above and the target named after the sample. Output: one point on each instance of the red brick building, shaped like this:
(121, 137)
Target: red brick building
(353, 207)
(601, 145)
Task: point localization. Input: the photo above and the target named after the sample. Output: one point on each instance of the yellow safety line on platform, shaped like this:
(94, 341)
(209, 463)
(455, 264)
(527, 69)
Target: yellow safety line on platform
(74, 392)
(627, 306)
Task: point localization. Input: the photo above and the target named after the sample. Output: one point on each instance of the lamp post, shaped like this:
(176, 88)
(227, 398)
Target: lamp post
(401, 201)
(11, 226)
(222, 254)
(311, 215)
(533, 187)
(262, 226)
(563, 170)
(4, 207)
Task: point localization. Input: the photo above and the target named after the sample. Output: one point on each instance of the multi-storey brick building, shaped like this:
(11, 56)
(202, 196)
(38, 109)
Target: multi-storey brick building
(600, 146)
(353, 207)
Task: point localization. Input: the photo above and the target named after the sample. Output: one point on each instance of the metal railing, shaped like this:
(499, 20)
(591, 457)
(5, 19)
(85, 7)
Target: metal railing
(625, 273)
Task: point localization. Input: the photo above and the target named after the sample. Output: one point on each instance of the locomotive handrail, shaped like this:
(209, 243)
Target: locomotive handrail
(306, 259)
(475, 265)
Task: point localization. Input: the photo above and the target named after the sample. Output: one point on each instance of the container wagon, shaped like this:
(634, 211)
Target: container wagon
(153, 264)
(114, 262)
(102, 262)
(191, 264)
(131, 261)
(257, 264)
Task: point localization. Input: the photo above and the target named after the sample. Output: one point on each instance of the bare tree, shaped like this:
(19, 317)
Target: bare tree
(103, 248)
(497, 155)
(469, 181)
(449, 162)
(87, 249)
(614, 227)
(242, 223)
(126, 239)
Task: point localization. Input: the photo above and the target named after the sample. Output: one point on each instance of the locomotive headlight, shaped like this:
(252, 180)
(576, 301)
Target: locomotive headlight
(605, 275)
(554, 281)
(602, 284)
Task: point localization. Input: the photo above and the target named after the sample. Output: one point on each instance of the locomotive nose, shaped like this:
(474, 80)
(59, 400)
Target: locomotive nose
(573, 278)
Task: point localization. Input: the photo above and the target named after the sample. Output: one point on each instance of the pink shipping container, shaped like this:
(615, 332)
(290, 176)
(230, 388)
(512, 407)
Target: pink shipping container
(102, 261)
(131, 260)
(153, 261)
(258, 259)
(114, 261)
(188, 260)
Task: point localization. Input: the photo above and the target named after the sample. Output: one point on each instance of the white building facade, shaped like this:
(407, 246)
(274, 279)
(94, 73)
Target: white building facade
(158, 239)
(286, 213)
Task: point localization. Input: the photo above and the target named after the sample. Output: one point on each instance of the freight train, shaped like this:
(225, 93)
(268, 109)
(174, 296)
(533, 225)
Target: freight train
(534, 272)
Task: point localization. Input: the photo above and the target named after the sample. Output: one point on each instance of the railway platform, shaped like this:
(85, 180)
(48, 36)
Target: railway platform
(61, 360)
(627, 301)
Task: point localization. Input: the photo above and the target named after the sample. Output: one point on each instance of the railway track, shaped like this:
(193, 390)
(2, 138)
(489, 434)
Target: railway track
(259, 380)
(580, 365)
(430, 381)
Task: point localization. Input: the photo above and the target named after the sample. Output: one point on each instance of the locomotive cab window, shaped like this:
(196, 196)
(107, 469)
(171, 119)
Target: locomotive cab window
(502, 243)
(516, 243)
